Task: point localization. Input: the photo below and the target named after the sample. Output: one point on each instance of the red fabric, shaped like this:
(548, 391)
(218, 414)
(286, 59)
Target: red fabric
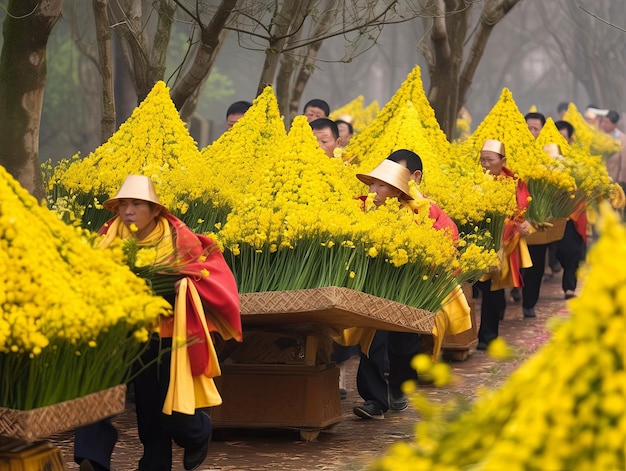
(511, 231)
(579, 217)
(218, 291)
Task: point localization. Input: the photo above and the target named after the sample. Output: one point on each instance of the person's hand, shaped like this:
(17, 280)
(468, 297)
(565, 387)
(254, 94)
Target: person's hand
(524, 228)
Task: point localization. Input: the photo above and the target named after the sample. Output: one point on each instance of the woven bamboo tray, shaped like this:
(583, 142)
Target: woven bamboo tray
(338, 308)
(548, 235)
(45, 421)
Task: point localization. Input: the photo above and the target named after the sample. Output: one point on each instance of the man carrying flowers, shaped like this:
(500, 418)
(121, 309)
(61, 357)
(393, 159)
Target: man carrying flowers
(514, 251)
(391, 180)
(175, 375)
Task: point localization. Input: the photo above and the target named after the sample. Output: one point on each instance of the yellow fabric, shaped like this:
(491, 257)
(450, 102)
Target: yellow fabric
(453, 318)
(504, 277)
(160, 238)
(186, 393)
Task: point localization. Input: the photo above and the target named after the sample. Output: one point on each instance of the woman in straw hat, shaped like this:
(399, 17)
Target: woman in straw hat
(176, 381)
(514, 251)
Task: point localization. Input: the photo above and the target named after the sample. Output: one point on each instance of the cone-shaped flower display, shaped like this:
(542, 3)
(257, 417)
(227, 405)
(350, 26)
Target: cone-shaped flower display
(69, 310)
(360, 116)
(412, 91)
(589, 137)
(151, 142)
(564, 408)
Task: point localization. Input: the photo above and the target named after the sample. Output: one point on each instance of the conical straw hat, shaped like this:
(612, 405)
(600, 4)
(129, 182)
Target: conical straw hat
(391, 173)
(136, 187)
(494, 146)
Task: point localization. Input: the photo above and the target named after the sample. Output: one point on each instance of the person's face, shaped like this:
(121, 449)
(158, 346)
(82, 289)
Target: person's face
(534, 126)
(383, 191)
(344, 133)
(313, 112)
(232, 119)
(326, 140)
(607, 125)
(492, 162)
(138, 212)
(565, 135)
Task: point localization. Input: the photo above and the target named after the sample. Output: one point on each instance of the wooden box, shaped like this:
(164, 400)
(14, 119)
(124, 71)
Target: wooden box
(278, 396)
(548, 235)
(18, 455)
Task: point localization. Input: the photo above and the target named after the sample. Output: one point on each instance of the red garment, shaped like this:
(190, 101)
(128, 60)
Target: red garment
(218, 290)
(511, 231)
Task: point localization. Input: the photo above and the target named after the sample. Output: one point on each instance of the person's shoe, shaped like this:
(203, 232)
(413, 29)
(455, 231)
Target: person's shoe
(556, 267)
(528, 312)
(570, 294)
(515, 295)
(481, 346)
(369, 410)
(194, 457)
(399, 404)
(343, 394)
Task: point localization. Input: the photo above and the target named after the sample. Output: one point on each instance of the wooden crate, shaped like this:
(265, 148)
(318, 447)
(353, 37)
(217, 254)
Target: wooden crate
(278, 396)
(19, 455)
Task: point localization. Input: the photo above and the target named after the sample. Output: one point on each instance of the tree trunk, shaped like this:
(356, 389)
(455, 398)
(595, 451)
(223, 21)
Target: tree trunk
(105, 65)
(283, 26)
(26, 29)
(205, 57)
(448, 54)
(307, 66)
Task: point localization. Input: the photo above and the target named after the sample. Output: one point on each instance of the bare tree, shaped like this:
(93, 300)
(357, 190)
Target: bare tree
(26, 29)
(451, 76)
(103, 38)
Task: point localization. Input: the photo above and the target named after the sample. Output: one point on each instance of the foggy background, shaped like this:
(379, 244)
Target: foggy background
(544, 52)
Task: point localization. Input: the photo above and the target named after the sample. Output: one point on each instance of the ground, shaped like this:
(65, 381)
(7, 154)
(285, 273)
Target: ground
(354, 442)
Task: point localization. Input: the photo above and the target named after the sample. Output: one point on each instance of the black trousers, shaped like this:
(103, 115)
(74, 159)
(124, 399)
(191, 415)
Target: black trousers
(570, 251)
(389, 350)
(492, 308)
(533, 276)
(156, 430)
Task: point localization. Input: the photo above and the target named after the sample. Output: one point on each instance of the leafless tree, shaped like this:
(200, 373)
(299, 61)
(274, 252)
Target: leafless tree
(27, 27)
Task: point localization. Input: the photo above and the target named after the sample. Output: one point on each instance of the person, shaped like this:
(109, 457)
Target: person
(392, 352)
(235, 112)
(346, 131)
(327, 135)
(566, 129)
(535, 122)
(561, 109)
(533, 276)
(616, 163)
(315, 109)
(514, 250)
(171, 384)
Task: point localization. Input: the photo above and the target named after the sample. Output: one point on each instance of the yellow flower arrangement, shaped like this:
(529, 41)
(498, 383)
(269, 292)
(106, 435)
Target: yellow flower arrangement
(71, 314)
(360, 117)
(562, 409)
(594, 140)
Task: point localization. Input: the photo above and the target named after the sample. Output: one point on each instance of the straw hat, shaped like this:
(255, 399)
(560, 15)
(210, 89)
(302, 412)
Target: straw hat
(553, 150)
(391, 173)
(494, 146)
(136, 187)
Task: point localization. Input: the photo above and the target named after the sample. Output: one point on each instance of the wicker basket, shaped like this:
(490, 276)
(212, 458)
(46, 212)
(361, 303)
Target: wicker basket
(548, 235)
(45, 421)
(334, 307)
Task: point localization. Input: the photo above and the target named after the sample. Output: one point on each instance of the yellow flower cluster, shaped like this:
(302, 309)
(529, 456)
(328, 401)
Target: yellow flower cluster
(360, 117)
(361, 147)
(58, 292)
(589, 137)
(563, 409)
